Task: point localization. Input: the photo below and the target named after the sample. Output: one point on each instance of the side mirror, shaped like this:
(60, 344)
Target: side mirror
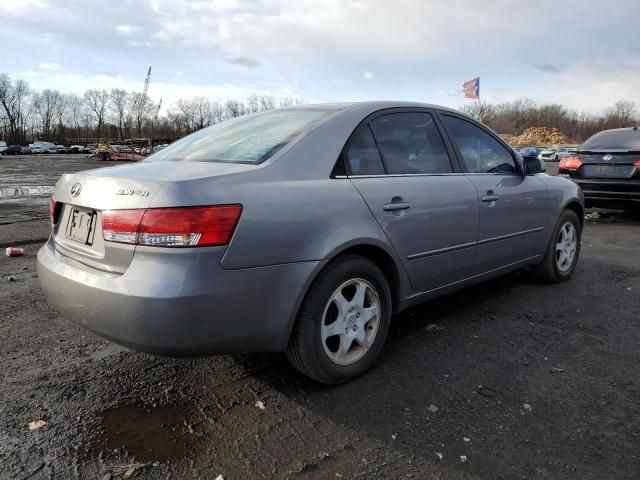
(533, 165)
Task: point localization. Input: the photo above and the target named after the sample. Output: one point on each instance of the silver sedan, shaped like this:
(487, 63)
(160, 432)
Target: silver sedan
(301, 230)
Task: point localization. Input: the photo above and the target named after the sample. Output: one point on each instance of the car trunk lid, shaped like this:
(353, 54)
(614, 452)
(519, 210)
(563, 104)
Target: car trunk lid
(83, 197)
(596, 164)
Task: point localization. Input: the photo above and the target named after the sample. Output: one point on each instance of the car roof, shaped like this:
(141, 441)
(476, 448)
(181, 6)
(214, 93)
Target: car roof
(370, 106)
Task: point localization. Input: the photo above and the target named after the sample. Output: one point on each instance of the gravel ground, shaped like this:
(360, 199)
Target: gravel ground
(509, 379)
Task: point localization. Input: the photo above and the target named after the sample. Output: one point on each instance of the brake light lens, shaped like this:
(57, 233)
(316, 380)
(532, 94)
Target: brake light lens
(172, 227)
(121, 225)
(570, 163)
(637, 164)
(54, 211)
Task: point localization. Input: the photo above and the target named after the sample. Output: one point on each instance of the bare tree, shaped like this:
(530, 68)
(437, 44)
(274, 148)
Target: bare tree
(141, 109)
(253, 103)
(290, 102)
(12, 98)
(96, 101)
(46, 103)
(480, 110)
(621, 113)
(119, 105)
(74, 113)
(61, 108)
(267, 102)
(234, 108)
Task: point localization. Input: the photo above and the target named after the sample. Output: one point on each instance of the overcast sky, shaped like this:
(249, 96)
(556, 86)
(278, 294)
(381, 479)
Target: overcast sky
(583, 53)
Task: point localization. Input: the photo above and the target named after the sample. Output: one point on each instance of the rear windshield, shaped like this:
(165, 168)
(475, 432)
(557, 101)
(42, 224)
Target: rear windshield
(628, 140)
(248, 139)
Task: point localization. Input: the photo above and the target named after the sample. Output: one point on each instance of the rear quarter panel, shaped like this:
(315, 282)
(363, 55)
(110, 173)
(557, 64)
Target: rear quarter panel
(562, 192)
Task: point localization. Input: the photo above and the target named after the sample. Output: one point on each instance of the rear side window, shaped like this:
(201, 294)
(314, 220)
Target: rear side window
(481, 152)
(628, 140)
(363, 156)
(411, 143)
(249, 139)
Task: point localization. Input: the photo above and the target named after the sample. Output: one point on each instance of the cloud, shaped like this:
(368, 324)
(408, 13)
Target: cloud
(323, 49)
(51, 67)
(139, 43)
(126, 29)
(18, 7)
(243, 61)
(547, 68)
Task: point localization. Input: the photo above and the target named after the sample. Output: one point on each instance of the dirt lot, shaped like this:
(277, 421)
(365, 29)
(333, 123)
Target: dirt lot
(509, 379)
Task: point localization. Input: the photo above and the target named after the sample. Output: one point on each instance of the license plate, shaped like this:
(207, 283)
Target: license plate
(606, 169)
(81, 225)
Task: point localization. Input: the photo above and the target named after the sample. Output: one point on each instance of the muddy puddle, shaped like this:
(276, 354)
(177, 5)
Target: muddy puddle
(157, 435)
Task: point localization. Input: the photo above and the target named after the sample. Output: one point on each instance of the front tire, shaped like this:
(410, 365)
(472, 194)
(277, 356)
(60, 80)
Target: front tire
(343, 321)
(563, 250)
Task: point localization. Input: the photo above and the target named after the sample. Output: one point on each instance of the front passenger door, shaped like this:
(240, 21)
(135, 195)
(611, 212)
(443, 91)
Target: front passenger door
(513, 207)
(428, 211)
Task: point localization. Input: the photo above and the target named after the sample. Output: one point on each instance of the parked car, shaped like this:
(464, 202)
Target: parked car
(79, 149)
(530, 152)
(301, 230)
(13, 150)
(43, 147)
(607, 168)
(3, 146)
(157, 148)
(554, 154)
(25, 150)
(61, 149)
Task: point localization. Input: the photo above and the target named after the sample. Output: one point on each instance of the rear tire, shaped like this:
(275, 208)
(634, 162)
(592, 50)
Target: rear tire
(563, 251)
(343, 321)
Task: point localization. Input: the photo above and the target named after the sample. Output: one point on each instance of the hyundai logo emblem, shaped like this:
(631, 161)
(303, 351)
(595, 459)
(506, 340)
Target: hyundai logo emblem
(607, 157)
(75, 190)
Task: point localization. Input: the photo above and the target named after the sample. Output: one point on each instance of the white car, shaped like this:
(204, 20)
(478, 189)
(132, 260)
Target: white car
(43, 147)
(3, 146)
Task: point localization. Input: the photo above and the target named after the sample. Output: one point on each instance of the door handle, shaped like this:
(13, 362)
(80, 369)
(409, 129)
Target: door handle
(394, 206)
(490, 196)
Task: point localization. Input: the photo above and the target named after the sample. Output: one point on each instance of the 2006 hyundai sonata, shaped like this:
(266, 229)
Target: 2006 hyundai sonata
(301, 230)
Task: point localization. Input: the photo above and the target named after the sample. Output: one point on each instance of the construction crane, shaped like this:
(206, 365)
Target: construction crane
(146, 85)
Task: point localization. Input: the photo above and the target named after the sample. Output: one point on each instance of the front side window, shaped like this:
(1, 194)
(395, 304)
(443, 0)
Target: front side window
(250, 139)
(481, 152)
(411, 143)
(363, 156)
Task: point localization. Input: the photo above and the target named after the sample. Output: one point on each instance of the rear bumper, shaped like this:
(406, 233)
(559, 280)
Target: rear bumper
(183, 303)
(610, 193)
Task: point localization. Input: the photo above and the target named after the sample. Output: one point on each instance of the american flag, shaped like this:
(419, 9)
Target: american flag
(472, 88)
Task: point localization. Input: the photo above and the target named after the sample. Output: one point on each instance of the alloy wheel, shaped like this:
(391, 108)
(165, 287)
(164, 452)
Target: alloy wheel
(566, 246)
(350, 321)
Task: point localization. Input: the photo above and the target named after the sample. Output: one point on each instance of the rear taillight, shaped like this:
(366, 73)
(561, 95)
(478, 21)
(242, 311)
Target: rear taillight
(172, 227)
(570, 163)
(54, 211)
(121, 225)
(637, 164)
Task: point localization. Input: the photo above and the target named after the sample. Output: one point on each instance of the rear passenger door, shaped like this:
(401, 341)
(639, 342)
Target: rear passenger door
(402, 166)
(514, 209)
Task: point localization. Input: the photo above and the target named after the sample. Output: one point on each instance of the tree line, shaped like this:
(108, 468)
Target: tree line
(515, 117)
(27, 115)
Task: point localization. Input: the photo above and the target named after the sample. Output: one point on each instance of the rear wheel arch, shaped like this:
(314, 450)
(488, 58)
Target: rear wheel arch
(374, 253)
(383, 260)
